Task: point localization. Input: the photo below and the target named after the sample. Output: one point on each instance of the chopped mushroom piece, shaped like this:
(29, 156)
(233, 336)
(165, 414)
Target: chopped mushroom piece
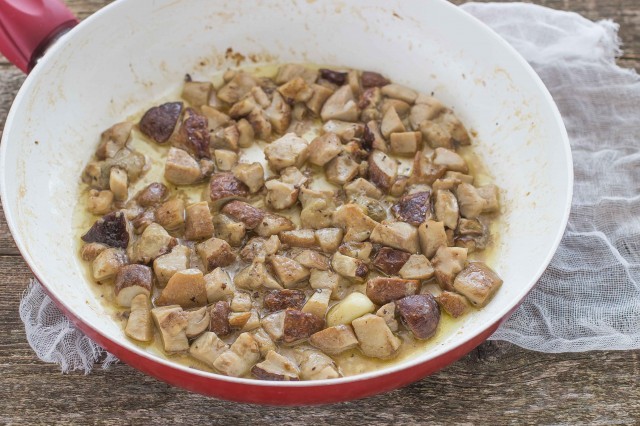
(390, 261)
(313, 260)
(215, 118)
(280, 195)
(185, 288)
(315, 365)
(254, 276)
(207, 348)
(405, 143)
(154, 242)
(478, 283)
(359, 250)
(329, 239)
(382, 290)
(113, 140)
(172, 322)
(139, 324)
(229, 230)
(215, 252)
(348, 309)
(273, 224)
(245, 213)
(316, 213)
(236, 87)
(289, 150)
(219, 318)
(199, 320)
(159, 122)
(218, 285)
(225, 159)
(107, 263)
(391, 123)
(241, 302)
(454, 304)
(398, 91)
(276, 367)
(451, 160)
(490, 194)
(224, 187)
(251, 175)
(91, 250)
(99, 202)
(402, 108)
(420, 313)
(193, 135)
(471, 203)
(277, 300)
(375, 338)
(110, 230)
(299, 325)
(341, 169)
(305, 238)
(245, 133)
(181, 168)
(318, 303)
(119, 183)
(167, 265)
(288, 271)
(446, 209)
(198, 222)
(354, 221)
(383, 170)
(373, 79)
(240, 357)
(372, 138)
(264, 341)
(288, 72)
(362, 186)
(448, 262)
(279, 112)
(324, 148)
(258, 248)
(349, 267)
(273, 325)
(341, 105)
(152, 194)
(334, 340)
(388, 313)
(345, 130)
(225, 138)
(413, 208)
(324, 279)
(432, 236)
(399, 235)
(417, 267)
(197, 92)
(425, 108)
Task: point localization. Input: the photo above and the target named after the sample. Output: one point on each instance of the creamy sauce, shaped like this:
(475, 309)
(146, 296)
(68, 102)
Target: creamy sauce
(350, 362)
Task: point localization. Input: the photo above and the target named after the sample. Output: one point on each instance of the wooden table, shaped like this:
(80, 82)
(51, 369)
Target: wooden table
(496, 383)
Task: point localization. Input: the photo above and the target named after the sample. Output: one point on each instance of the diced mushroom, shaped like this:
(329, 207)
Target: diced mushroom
(258, 248)
(417, 267)
(288, 271)
(273, 325)
(478, 283)
(391, 123)
(451, 160)
(334, 340)
(113, 140)
(207, 348)
(152, 194)
(313, 260)
(470, 227)
(139, 324)
(362, 186)
(401, 107)
(119, 183)
(382, 290)
(432, 236)
(185, 288)
(329, 239)
(279, 112)
(304, 238)
(446, 209)
(167, 265)
(398, 91)
(318, 303)
(424, 171)
(277, 300)
(181, 168)
(448, 262)
(373, 79)
(91, 250)
(196, 92)
(154, 242)
(276, 367)
(413, 208)
(353, 219)
(110, 230)
(273, 224)
(215, 252)
(372, 138)
(388, 313)
(225, 159)
(280, 195)
(405, 143)
(383, 170)
(240, 357)
(107, 263)
(319, 97)
(288, 72)
(436, 135)
(264, 341)
(324, 279)
(420, 314)
(99, 202)
(255, 276)
(229, 230)
(241, 302)
(341, 169)
(251, 175)
(399, 235)
(324, 148)
(356, 249)
(172, 322)
(314, 365)
(345, 130)
(219, 318)
(245, 133)
(341, 105)
(375, 338)
(227, 138)
(159, 122)
(215, 117)
(316, 213)
(260, 124)
(193, 135)
(454, 304)
(218, 285)
(425, 108)
(348, 309)
(289, 150)
(471, 203)
(198, 322)
(198, 221)
(170, 215)
(224, 187)
(245, 213)
(236, 87)
(390, 261)
(490, 194)
(300, 325)
(349, 267)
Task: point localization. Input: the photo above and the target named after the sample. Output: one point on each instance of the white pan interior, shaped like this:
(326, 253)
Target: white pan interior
(119, 61)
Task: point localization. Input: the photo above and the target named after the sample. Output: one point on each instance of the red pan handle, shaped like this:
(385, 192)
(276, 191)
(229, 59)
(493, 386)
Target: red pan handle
(28, 27)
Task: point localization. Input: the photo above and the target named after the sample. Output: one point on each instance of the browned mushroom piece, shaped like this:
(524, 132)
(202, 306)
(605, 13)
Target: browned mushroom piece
(170, 214)
(273, 224)
(258, 248)
(113, 140)
(448, 262)
(132, 280)
(279, 111)
(389, 260)
(349, 267)
(420, 314)
(91, 250)
(229, 230)
(454, 304)
(352, 218)
(224, 187)
(198, 222)
(245, 213)
(185, 288)
(382, 290)
(152, 194)
(159, 122)
(478, 283)
(413, 208)
(219, 318)
(335, 77)
(383, 170)
(305, 238)
(193, 135)
(399, 235)
(334, 340)
(324, 148)
(357, 249)
(277, 300)
(110, 230)
(276, 367)
(373, 79)
(236, 88)
(215, 252)
(300, 325)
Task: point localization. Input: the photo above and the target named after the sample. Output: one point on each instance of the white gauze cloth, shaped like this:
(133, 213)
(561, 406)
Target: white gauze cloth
(589, 297)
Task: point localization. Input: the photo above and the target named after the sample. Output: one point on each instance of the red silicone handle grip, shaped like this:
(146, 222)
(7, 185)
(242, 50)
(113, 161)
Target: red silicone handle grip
(27, 27)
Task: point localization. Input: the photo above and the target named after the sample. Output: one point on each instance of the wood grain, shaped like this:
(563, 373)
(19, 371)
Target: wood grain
(497, 383)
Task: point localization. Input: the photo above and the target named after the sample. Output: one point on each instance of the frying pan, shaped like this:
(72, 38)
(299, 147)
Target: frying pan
(133, 53)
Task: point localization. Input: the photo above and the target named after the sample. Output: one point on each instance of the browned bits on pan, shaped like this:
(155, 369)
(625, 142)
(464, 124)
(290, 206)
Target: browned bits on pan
(413, 208)
(277, 300)
(420, 313)
(389, 260)
(300, 325)
(335, 77)
(110, 230)
(158, 122)
(373, 79)
(219, 314)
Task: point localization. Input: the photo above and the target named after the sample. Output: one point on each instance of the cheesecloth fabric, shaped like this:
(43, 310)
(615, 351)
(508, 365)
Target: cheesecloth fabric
(589, 298)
